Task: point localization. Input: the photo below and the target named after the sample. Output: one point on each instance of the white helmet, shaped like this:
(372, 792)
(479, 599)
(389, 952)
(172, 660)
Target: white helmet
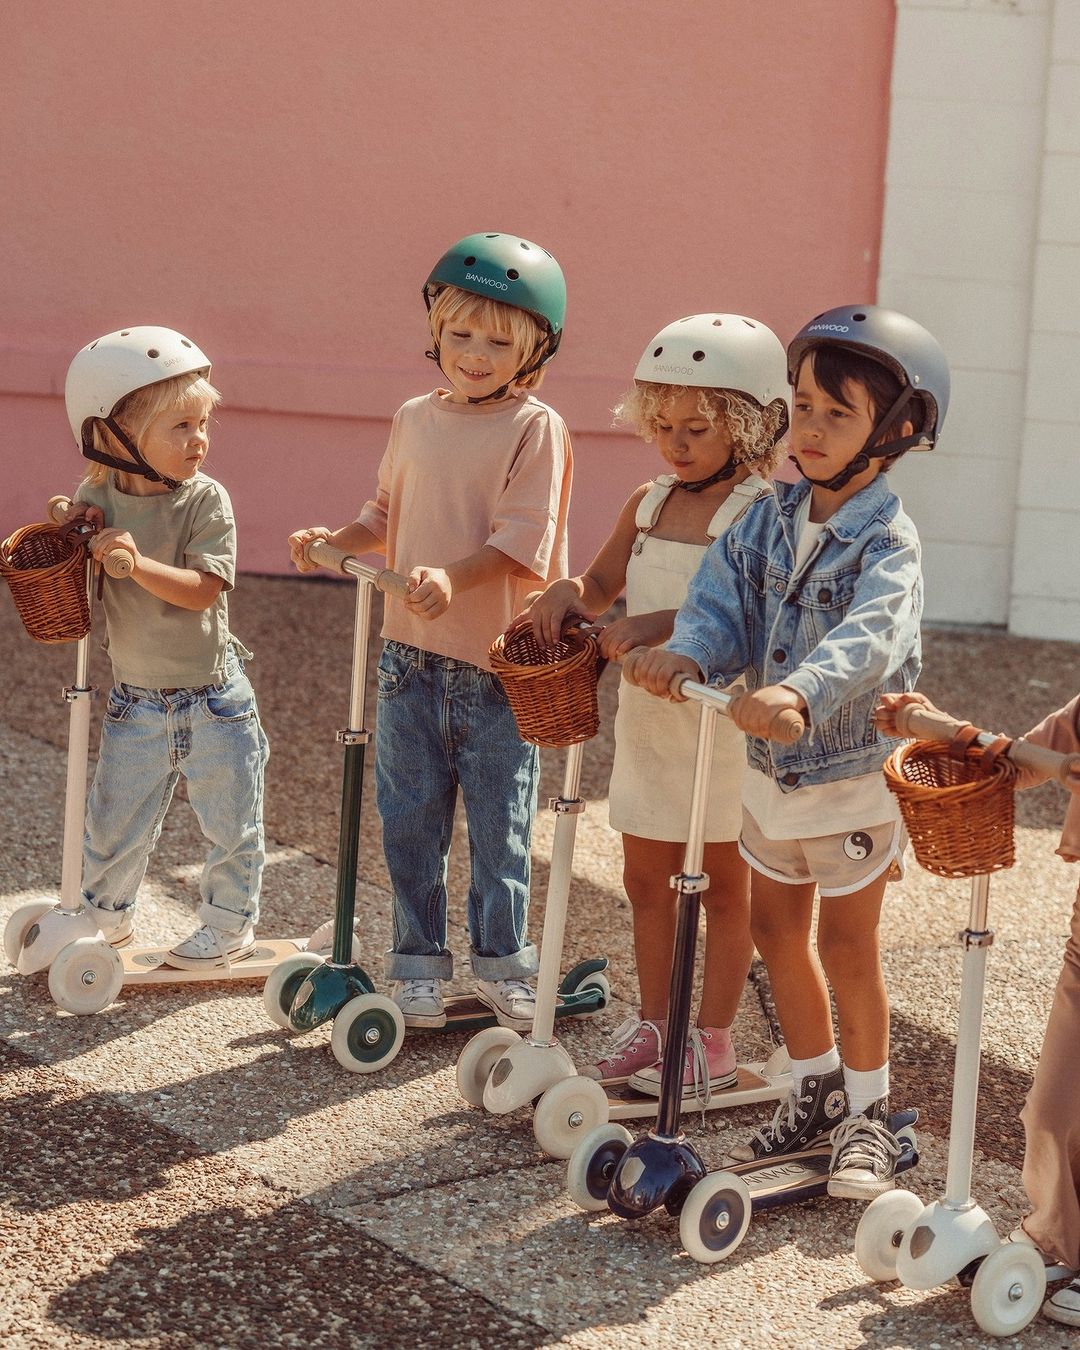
(115, 365)
(718, 351)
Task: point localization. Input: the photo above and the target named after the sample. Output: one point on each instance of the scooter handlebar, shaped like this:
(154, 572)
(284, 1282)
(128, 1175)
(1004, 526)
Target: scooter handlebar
(324, 554)
(931, 725)
(118, 563)
(787, 725)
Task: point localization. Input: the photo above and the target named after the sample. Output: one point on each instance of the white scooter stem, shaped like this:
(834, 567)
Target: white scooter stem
(78, 696)
(976, 940)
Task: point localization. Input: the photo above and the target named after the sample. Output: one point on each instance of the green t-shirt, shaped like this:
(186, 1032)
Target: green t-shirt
(150, 642)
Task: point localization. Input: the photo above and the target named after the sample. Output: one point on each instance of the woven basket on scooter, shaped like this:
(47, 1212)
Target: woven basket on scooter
(46, 572)
(957, 805)
(551, 690)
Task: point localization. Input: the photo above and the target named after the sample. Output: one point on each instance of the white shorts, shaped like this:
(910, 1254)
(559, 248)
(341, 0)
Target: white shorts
(839, 863)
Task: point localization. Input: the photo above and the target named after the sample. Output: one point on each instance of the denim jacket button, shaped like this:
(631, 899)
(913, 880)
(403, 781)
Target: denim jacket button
(779, 656)
(824, 595)
(790, 779)
(779, 588)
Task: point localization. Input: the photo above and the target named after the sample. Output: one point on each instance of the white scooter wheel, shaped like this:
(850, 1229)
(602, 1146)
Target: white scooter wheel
(86, 976)
(282, 984)
(20, 924)
(597, 980)
(881, 1230)
(592, 1165)
(476, 1061)
(368, 1032)
(321, 942)
(715, 1218)
(566, 1112)
(1008, 1289)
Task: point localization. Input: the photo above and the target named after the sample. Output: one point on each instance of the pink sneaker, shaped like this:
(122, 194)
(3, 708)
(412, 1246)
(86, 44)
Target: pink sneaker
(709, 1066)
(635, 1045)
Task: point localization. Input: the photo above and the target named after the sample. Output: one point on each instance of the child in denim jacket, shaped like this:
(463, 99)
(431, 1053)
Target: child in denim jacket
(815, 596)
(472, 503)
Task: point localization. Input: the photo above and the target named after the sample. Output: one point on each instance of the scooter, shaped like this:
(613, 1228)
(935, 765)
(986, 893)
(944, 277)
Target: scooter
(86, 973)
(954, 1238)
(502, 1071)
(305, 991)
(661, 1166)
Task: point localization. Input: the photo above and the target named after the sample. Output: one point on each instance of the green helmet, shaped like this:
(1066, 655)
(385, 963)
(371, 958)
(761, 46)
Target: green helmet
(504, 267)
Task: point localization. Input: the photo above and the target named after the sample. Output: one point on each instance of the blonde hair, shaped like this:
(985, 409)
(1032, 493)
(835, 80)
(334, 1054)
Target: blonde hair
(453, 305)
(754, 430)
(136, 411)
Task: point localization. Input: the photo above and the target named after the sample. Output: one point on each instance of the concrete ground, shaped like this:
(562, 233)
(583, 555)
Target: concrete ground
(179, 1173)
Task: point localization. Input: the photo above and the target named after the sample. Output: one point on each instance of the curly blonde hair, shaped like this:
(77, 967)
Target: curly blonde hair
(755, 431)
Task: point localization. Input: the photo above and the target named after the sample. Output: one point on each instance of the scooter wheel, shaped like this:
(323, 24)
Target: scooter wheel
(480, 1055)
(368, 1032)
(1008, 1289)
(86, 976)
(566, 1112)
(715, 1217)
(283, 982)
(321, 942)
(597, 980)
(20, 923)
(592, 1165)
(881, 1230)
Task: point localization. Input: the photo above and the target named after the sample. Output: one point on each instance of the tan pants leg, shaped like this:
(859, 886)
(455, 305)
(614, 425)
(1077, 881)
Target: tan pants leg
(1051, 1117)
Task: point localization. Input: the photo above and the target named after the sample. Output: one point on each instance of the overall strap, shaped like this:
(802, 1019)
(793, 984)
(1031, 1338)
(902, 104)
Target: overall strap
(736, 504)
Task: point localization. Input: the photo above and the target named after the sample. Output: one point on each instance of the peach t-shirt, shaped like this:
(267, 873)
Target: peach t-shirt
(457, 476)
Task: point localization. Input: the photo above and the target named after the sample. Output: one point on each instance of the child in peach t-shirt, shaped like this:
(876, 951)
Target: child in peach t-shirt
(472, 499)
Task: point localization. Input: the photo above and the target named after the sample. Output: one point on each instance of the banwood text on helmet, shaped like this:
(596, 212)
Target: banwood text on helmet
(901, 345)
(517, 272)
(113, 366)
(720, 351)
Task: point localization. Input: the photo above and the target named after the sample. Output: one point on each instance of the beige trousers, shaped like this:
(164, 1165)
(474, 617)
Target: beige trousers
(1051, 1117)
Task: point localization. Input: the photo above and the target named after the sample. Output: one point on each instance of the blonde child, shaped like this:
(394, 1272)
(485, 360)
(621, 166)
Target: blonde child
(711, 390)
(815, 596)
(139, 404)
(1051, 1114)
(472, 497)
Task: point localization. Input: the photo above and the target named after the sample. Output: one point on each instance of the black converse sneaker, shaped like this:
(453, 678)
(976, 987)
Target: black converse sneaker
(864, 1154)
(800, 1121)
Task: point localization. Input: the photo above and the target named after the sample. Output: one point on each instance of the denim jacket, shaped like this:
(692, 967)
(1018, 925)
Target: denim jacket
(840, 632)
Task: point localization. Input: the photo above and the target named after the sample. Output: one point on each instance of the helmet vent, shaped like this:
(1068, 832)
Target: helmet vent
(749, 324)
(718, 323)
(470, 261)
(184, 342)
(658, 351)
(524, 245)
(699, 356)
(513, 273)
(491, 236)
(859, 318)
(93, 344)
(125, 332)
(153, 353)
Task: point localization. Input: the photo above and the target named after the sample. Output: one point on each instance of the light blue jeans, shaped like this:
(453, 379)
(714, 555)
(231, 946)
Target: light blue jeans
(148, 739)
(444, 724)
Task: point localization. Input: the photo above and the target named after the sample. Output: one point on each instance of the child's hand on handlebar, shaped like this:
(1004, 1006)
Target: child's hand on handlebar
(430, 594)
(890, 705)
(114, 541)
(755, 713)
(654, 668)
(298, 541)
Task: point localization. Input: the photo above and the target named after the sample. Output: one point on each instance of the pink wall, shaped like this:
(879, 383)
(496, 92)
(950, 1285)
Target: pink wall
(277, 181)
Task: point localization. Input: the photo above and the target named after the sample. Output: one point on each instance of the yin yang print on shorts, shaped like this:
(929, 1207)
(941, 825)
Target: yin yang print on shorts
(858, 846)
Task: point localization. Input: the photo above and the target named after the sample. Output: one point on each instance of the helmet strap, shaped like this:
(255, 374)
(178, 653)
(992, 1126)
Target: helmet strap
(139, 466)
(728, 471)
(870, 451)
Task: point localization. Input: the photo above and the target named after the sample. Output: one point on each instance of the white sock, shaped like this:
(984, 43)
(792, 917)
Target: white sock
(864, 1086)
(803, 1068)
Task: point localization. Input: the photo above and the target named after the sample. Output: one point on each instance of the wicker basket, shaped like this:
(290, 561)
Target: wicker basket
(551, 690)
(46, 572)
(957, 804)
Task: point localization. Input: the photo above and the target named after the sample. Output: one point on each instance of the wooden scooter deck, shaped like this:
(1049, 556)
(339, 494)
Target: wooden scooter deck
(465, 1012)
(626, 1103)
(148, 965)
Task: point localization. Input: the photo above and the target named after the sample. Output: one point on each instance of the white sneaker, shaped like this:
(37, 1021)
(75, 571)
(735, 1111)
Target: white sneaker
(513, 1001)
(420, 1001)
(1063, 1305)
(210, 947)
(117, 925)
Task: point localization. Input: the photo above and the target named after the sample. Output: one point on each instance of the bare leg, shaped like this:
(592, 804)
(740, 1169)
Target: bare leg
(729, 948)
(850, 952)
(648, 865)
(780, 918)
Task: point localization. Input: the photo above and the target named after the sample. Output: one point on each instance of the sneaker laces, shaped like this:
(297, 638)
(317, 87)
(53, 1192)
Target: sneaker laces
(626, 1034)
(516, 990)
(772, 1134)
(415, 990)
(867, 1143)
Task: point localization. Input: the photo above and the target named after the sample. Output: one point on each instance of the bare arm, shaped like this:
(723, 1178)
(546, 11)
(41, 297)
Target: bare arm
(185, 587)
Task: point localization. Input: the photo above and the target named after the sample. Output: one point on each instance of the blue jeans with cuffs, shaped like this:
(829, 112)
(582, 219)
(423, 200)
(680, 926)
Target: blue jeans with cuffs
(149, 737)
(444, 724)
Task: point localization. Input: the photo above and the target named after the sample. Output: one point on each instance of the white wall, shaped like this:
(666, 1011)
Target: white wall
(981, 242)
